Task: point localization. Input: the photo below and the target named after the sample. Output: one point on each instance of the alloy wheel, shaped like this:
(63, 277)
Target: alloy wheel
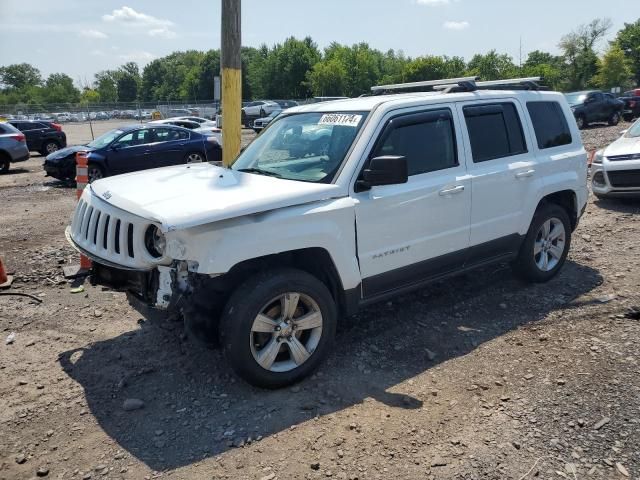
(51, 147)
(286, 332)
(550, 244)
(194, 158)
(94, 173)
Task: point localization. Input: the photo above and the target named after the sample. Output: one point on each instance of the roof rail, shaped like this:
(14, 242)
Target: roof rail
(379, 89)
(462, 84)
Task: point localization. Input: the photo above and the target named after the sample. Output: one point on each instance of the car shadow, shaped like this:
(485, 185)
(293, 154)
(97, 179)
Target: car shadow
(620, 205)
(15, 171)
(194, 408)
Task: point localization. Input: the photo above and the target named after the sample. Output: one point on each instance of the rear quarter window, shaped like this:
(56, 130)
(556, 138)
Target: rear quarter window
(495, 131)
(549, 124)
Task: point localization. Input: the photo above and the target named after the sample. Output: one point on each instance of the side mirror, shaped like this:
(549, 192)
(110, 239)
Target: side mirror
(115, 147)
(386, 170)
(589, 100)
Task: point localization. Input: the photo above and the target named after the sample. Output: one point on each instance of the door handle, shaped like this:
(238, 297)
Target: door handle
(451, 191)
(525, 174)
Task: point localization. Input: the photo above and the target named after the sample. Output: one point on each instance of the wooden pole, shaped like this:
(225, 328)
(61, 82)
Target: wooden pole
(231, 66)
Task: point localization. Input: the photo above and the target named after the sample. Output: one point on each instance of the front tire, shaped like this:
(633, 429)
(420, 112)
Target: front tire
(277, 327)
(546, 245)
(582, 122)
(4, 164)
(95, 172)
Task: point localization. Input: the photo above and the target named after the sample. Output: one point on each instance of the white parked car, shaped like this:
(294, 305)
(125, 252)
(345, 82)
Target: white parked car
(257, 109)
(202, 121)
(616, 169)
(339, 205)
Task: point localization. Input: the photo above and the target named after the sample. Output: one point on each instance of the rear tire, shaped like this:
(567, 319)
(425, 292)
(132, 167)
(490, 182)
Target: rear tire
(49, 147)
(545, 246)
(4, 164)
(262, 332)
(194, 157)
(614, 119)
(582, 122)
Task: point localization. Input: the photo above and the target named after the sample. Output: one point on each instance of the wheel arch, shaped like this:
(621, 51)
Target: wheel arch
(567, 199)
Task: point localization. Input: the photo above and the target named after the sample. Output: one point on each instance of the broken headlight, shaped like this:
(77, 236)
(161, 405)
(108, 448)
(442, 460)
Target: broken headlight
(155, 242)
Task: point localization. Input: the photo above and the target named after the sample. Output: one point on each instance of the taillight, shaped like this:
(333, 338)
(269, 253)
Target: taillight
(18, 137)
(57, 126)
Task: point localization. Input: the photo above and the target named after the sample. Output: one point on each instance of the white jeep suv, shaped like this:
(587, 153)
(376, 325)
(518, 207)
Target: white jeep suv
(338, 205)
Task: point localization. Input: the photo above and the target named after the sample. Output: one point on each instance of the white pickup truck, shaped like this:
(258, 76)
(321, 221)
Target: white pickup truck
(338, 205)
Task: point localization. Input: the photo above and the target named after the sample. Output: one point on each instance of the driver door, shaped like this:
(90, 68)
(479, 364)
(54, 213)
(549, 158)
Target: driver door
(131, 152)
(416, 231)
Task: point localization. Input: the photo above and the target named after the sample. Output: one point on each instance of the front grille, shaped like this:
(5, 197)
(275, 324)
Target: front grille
(109, 233)
(624, 178)
(621, 158)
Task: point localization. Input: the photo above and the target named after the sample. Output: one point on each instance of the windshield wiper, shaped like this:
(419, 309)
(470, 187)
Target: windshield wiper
(259, 171)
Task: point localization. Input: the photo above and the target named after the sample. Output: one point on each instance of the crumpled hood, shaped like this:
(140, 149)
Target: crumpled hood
(65, 152)
(189, 195)
(623, 146)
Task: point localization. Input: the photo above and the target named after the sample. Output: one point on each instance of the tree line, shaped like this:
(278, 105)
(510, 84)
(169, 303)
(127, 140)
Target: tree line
(297, 68)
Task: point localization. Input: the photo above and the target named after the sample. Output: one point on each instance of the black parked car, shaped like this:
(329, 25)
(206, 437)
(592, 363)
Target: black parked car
(595, 106)
(133, 148)
(42, 136)
(631, 108)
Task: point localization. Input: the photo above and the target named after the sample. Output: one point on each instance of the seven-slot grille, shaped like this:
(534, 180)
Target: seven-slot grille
(111, 234)
(624, 178)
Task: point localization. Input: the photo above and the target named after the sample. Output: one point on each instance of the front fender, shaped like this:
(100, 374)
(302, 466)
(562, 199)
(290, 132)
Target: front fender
(328, 224)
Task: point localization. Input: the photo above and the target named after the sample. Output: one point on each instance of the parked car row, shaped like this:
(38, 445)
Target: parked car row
(134, 148)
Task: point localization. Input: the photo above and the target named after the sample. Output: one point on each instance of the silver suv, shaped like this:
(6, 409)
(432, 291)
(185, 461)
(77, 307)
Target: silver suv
(13, 146)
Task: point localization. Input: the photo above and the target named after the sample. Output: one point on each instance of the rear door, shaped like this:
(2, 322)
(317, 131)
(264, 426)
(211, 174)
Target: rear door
(33, 132)
(419, 230)
(169, 147)
(502, 170)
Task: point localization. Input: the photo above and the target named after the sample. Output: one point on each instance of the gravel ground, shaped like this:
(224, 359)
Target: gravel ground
(478, 377)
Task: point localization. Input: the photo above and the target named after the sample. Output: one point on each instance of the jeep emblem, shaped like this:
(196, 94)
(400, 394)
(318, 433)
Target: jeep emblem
(106, 195)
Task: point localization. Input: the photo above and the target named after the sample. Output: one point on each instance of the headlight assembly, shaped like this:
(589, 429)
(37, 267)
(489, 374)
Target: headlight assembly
(155, 242)
(597, 158)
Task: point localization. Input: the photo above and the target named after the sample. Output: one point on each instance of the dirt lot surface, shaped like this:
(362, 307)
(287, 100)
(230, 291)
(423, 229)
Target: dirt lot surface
(479, 377)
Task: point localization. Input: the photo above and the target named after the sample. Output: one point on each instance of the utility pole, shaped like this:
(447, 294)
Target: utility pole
(231, 66)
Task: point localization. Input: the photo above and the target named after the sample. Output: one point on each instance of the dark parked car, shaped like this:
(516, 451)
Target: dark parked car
(595, 106)
(44, 137)
(133, 148)
(631, 108)
(13, 147)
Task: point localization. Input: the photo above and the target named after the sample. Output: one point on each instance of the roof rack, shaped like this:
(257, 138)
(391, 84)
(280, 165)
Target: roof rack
(380, 89)
(462, 84)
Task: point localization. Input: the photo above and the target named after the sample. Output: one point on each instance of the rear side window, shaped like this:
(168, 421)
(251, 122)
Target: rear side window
(426, 140)
(549, 124)
(495, 131)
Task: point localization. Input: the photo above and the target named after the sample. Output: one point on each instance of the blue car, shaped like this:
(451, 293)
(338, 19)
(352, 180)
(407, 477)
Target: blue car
(133, 148)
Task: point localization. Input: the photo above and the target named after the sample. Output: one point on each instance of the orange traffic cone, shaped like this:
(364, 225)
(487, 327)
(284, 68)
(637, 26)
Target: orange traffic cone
(5, 280)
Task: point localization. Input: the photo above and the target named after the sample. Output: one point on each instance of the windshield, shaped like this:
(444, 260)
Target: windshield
(634, 131)
(106, 139)
(576, 98)
(307, 146)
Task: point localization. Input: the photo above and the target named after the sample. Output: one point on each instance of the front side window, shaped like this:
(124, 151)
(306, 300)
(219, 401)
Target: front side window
(495, 131)
(135, 138)
(426, 140)
(549, 124)
(306, 146)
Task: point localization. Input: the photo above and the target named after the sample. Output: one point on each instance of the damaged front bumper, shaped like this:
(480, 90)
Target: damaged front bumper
(162, 287)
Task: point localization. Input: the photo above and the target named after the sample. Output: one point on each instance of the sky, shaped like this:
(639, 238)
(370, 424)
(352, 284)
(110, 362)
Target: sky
(82, 37)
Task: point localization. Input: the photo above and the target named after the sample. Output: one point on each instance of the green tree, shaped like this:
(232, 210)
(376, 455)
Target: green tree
(106, 85)
(580, 58)
(434, 68)
(89, 95)
(59, 88)
(20, 76)
(628, 39)
(614, 69)
(328, 78)
(128, 82)
(492, 66)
